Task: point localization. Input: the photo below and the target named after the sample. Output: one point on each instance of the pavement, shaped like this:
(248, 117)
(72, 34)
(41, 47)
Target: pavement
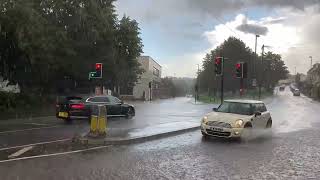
(290, 151)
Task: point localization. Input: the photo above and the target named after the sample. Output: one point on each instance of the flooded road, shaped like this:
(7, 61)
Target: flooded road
(291, 151)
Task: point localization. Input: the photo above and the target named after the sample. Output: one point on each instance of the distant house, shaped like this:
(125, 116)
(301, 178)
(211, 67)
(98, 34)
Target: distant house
(151, 76)
(313, 81)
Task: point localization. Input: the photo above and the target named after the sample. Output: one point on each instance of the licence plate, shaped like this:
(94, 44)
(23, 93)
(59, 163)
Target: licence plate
(216, 129)
(63, 114)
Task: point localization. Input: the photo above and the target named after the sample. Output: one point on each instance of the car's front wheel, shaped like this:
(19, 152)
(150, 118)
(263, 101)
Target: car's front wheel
(269, 124)
(130, 113)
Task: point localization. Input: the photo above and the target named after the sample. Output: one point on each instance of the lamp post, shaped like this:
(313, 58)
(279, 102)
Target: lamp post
(255, 52)
(260, 79)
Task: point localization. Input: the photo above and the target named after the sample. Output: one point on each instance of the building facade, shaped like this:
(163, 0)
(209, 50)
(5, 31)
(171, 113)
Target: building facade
(151, 77)
(313, 81)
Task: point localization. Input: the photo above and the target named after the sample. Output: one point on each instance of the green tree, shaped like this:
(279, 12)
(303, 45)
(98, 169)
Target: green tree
(129, 47)
(45, 42)
(234, 50)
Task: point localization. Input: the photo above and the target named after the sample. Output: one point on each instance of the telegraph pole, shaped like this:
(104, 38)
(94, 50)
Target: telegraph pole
(255, 52)
(260, 79)
(310, 62)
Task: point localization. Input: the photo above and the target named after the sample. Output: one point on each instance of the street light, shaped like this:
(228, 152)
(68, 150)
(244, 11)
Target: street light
(262, 54)
(255, 52)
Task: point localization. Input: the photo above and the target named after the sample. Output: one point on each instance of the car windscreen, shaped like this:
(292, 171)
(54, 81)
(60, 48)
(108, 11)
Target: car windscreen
(114, 100)
(235, 108)
(99, 99)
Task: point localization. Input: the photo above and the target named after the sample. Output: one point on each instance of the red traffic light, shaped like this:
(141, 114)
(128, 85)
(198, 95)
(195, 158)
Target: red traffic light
(98, 66)
(218, 60)
(238, 65)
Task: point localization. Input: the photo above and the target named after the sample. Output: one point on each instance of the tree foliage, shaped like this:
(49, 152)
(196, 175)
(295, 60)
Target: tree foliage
(268, 72)
(43, 42)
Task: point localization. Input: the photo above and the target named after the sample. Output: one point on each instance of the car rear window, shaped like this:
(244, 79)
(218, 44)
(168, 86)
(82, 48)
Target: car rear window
(68, 99)
(99, 99)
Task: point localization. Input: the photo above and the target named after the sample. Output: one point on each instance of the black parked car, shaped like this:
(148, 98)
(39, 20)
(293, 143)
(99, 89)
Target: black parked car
(73, 107)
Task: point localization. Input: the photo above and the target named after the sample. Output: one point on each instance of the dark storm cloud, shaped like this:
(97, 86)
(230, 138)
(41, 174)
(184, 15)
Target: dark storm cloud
(297, 4)
(164, 10)
(253, 29)
(217, 7)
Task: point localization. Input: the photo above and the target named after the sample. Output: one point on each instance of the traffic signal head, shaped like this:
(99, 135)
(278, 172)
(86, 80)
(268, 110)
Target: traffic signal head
(98, 70)
(218, 65)
(239, 70)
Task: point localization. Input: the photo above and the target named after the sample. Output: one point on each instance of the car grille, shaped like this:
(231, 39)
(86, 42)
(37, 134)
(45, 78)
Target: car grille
(218, 133)
(219, 124)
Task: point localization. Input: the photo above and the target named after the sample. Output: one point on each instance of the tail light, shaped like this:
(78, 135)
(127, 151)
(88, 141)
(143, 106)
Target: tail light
(77, 106)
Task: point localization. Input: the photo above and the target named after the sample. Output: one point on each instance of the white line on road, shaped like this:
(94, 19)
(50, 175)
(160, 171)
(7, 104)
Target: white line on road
(55, 154)
(20, 152)
(30, 129)
(34, 144)
(36, 124)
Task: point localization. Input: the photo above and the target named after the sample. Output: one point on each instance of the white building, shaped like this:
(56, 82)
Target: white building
(151, 75)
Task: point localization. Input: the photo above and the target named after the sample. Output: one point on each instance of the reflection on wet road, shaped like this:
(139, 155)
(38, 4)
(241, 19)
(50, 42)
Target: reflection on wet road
(147, 114)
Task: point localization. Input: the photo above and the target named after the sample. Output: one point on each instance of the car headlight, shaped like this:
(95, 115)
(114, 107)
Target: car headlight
(238, 123)
(205, 120)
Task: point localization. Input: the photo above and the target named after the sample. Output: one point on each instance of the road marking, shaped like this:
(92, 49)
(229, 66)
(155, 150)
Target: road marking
(30, 129)
(36, 124)
(20, 152)
(55, 154)
(34, 144)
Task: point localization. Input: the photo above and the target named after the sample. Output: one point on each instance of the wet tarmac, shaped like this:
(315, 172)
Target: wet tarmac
(290, 151)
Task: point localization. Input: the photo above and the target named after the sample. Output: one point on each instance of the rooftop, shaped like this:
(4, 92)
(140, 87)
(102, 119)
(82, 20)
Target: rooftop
(247, 101)
(149, 57)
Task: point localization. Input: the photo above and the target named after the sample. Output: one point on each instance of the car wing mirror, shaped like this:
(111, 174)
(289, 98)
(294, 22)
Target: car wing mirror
(257, 114)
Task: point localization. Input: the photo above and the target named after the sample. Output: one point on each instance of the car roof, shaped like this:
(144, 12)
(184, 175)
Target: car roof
(101, 96)
(247, 101)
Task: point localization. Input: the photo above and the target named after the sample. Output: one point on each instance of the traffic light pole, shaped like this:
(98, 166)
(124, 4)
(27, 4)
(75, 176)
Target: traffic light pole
(222, 81)
(241, 87)
(221, 90)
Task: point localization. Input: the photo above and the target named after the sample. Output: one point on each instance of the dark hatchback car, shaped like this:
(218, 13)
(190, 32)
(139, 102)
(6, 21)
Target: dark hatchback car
(72, 107)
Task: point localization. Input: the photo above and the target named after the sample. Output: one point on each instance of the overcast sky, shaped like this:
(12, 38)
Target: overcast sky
(178, 33)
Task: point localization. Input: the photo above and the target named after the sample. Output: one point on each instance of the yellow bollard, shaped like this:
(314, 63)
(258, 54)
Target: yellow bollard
(102, 120)
(98, 124)
(94, 124)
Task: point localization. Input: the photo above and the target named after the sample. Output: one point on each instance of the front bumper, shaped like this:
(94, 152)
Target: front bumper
(224, 133)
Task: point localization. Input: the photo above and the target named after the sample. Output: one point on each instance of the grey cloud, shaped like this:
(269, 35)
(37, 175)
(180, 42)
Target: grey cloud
(296, 4)
(218, 7)
(252, 28)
